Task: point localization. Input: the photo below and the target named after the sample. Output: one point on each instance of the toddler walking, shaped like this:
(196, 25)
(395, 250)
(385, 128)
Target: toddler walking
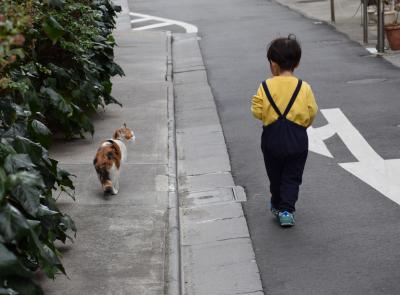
(286, 106)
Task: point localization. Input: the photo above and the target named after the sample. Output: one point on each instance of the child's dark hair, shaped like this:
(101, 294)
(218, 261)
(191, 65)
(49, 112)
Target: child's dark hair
(286, 52)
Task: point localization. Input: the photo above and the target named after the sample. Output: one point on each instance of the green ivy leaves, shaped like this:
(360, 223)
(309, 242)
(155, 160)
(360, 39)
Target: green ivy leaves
(56, 3)
(52, 28)
(10, 265)
(26, 189)
(57, 101)
(13, 225)
(56, 64)
(15, 162)
(40, 133)
(17, 275)
(3, 178)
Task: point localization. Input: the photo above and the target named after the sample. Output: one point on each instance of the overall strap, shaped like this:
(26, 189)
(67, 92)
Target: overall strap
(292, 100)
(270, 99)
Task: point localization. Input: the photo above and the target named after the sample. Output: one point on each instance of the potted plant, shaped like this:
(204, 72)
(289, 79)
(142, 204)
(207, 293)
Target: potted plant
(389, 12)
(392, 28)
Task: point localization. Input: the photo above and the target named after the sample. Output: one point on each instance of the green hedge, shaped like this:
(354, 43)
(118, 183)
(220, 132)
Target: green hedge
(56, 61)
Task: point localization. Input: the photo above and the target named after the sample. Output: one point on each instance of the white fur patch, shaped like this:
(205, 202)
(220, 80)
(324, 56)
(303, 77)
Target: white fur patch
(114, 177)
(122, 147)
(106, 143)
(133, 138)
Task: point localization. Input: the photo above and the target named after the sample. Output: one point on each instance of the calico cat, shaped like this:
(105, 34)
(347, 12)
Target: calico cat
(109, 158)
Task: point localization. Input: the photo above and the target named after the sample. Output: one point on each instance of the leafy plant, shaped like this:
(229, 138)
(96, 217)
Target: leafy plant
(56, 62)
(68, 62)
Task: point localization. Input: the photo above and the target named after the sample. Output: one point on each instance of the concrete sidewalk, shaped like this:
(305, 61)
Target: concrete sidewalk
(121, 241)
(348, 20)
(177, 225)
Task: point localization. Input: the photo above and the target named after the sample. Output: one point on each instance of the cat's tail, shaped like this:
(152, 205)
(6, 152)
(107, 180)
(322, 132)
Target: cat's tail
(104, 177)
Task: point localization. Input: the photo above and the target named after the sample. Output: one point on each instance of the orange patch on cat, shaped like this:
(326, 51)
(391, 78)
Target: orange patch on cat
(108, 155)
(123, 132)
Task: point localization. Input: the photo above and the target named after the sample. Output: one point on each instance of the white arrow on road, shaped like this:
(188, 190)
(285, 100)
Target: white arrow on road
(382, 175)
(161, 22)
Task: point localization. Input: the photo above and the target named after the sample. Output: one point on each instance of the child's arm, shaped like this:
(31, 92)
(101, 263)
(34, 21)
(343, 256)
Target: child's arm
(257, 103)
(312, 105)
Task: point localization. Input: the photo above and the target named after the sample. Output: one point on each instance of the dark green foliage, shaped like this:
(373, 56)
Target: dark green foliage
(56, 62)
(67, 63)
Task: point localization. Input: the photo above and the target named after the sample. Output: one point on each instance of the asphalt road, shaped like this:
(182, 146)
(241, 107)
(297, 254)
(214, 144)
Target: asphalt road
(347, 237)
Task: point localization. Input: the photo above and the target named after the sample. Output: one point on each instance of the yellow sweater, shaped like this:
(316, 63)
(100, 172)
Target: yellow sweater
(281, 88)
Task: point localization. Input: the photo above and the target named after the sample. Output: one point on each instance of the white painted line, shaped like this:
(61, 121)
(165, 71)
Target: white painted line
(188, 27)
(372, 50)
(316, 137)
(351, 137)
(138, 20)
(382, 176)
(159, 25)
(371, 168)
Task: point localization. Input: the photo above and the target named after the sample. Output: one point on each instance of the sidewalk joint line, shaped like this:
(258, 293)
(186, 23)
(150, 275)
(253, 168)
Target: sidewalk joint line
(188, 71)
(245, 293)
(214, 241)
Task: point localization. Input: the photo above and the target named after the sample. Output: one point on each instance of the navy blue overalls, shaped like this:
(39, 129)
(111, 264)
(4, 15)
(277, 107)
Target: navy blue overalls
(285, 148)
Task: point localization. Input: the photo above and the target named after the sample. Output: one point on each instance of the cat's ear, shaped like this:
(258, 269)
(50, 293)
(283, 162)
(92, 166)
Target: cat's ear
(117, 134)
(124, 125)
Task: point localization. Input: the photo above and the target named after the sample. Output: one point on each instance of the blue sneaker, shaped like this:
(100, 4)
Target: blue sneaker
(274, 211)
(286, 219)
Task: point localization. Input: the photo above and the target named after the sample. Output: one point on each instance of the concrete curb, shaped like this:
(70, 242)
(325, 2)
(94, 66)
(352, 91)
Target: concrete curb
(174, 282)
(216, 249)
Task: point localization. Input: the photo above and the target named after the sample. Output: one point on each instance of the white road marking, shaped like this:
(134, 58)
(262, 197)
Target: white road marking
(316, 137)
(163, 22)
(154, 26)
(138, 20)
(371, 168)
(372, 50)
(351, 137)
